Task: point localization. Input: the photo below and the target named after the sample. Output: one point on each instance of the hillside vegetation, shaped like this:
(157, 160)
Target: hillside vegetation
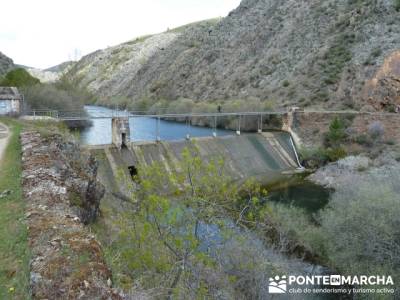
(6, 64)
(338, 54)
(59, 95)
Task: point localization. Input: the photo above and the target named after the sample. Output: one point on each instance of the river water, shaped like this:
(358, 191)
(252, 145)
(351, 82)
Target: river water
(142, 129)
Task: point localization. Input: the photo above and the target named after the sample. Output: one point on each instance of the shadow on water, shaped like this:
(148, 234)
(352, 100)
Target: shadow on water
(301, 193)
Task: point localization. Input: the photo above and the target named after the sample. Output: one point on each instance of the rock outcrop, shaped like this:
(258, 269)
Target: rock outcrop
(383, 90)
(51, 74)
(317, 53)
(6, 64)
(62, 194)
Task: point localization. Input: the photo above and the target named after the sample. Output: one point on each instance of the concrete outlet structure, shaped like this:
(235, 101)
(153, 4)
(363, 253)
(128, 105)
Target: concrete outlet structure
(120, 132)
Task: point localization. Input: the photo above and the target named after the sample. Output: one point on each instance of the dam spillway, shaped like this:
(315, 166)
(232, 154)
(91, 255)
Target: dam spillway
(267, 156)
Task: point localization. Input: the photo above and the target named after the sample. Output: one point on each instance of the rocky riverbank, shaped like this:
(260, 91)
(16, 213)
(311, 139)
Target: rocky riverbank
(356, 169)
(62, 193)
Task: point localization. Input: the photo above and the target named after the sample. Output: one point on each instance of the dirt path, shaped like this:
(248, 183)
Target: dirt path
(4, 135)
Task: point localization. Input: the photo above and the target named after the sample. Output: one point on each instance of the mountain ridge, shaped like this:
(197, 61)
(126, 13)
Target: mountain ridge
(321, 54)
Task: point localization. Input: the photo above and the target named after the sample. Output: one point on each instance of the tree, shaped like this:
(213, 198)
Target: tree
(19, 78)
(174, 212)
(336, 133)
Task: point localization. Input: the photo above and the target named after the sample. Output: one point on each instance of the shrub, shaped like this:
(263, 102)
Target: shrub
(337, 57)
(19, 78)
(313, 158)
(159, 107)
(294, 227)
(376, 130)
(361, 227)
(363, 140)
(336, 134)
(48, 96)
(181, 106)
(251, 104)
(121, 102)
(334, 154)
(142, 105)
(286, 83)
(378, 51)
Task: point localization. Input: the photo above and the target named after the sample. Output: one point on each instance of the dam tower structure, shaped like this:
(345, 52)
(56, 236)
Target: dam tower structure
(120, 132)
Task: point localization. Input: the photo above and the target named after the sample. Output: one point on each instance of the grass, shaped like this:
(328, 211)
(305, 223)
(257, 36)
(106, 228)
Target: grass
(14, 253)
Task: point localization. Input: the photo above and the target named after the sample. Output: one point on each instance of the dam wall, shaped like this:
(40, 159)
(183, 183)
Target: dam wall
(268, 157)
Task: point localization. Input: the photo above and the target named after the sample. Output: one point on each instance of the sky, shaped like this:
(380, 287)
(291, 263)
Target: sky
(45, 33)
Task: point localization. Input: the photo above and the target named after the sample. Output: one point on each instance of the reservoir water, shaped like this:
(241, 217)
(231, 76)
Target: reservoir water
(142, 129)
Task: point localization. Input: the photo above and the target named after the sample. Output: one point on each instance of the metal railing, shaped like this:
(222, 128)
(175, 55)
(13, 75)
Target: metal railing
(75, 115)
(82, 115)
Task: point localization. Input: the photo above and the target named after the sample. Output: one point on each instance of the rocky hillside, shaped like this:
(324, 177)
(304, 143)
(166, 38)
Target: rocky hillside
(51, 74)
(342, 54)
(6, 64)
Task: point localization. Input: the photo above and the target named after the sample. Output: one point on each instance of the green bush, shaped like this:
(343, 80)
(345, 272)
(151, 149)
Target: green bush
(361, 225)
(363, 140)
(181, 106)
(296, 229)
(19, 78)
(336, 133)
(337, 57)
(313, 158)
(48, 96)
(334, 154)
(141, 105)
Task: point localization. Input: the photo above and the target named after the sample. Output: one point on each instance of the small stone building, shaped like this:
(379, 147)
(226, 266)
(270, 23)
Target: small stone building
(10, 101)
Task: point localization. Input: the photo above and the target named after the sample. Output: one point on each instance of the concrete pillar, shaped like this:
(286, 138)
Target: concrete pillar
(288, 120)
(120, 131)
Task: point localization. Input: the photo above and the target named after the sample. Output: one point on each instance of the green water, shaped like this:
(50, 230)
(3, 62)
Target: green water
(300, 193)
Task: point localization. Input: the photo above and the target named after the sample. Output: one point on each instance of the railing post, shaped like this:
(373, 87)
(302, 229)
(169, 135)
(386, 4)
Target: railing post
(188, 121)
(239, 125)
(158, 129)
(260, 126)
(215, 126)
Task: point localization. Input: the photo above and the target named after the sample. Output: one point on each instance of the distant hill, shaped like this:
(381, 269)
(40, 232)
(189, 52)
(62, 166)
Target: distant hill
(61, 67)
(6, 64)
(51, 74)
(333, 54)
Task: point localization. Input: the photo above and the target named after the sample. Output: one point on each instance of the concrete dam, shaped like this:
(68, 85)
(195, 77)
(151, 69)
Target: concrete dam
(265, 156)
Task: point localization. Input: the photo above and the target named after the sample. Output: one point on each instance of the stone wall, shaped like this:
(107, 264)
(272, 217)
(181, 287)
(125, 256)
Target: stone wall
(62, 193)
